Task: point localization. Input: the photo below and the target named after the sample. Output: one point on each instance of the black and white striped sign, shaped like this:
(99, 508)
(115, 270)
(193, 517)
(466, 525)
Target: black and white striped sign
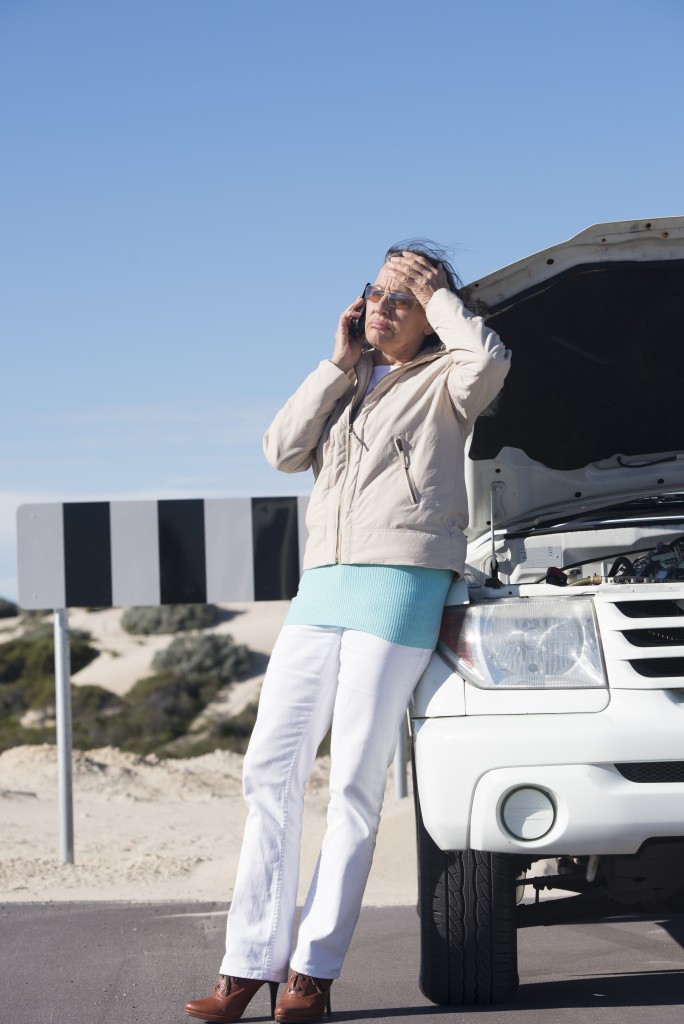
(123, 553)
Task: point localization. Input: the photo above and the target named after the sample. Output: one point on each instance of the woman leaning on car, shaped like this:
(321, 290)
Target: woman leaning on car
(383, 424)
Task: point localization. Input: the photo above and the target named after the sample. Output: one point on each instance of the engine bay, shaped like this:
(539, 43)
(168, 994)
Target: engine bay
(618, 545)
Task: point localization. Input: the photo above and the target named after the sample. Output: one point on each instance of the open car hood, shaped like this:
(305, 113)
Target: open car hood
(592, 411)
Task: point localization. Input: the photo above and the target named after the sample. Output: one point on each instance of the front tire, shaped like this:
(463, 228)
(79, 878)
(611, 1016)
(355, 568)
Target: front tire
(468, 934)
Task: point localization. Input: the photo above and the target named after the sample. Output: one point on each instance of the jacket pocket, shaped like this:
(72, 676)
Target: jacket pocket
(405, 460)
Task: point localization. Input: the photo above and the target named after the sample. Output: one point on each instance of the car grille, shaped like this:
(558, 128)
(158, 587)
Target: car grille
(643, 638)
(654, 637)
(659, 668)
(653, 771)
(647, 609)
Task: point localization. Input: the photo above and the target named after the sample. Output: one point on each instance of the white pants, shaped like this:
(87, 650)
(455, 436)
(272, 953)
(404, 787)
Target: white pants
(317, 675)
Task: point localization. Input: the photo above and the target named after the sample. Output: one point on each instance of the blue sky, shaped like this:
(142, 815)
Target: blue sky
(192, 190)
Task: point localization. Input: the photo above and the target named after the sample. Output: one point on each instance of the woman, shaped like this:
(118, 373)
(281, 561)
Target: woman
(383, 423)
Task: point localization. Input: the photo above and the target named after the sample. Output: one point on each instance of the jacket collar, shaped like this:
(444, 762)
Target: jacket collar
(364, 368)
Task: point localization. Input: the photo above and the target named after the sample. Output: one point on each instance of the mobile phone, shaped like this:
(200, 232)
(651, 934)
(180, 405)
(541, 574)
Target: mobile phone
(358, 325)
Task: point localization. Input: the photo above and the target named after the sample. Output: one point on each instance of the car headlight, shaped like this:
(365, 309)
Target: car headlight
(524, 644)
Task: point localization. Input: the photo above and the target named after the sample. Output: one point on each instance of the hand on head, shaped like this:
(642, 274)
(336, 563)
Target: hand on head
(417, 275)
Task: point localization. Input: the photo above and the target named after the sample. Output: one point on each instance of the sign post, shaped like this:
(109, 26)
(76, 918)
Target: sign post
(399, 766)
(64, 739)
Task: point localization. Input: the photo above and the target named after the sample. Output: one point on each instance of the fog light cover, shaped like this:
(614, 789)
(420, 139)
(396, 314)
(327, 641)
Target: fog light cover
(524, 643)
(528, 813)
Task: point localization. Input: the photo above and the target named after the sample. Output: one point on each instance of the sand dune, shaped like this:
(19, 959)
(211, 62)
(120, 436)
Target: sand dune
(125, 658)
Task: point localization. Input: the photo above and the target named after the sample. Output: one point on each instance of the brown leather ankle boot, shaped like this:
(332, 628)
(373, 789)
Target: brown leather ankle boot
(229, 999)
(304, 999)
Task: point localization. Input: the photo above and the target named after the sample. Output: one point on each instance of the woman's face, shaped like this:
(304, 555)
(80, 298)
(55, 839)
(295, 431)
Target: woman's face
(395, 334)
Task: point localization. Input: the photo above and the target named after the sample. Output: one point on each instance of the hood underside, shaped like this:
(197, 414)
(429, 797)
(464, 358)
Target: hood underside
(596, 386)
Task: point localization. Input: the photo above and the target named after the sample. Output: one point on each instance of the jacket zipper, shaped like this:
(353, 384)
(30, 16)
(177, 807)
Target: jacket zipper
(353, 410)
(406, 463)
(342, 486)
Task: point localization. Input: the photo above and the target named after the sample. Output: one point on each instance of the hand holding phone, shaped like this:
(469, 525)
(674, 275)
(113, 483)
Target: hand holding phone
(350, 334)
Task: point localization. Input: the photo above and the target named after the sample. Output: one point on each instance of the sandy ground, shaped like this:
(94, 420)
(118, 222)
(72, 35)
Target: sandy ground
(147, 829)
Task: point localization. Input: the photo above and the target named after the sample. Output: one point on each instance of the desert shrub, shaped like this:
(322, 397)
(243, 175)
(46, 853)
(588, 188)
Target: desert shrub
(13, 699)
(169, 618)
(27, 674)
(98, 717)
(224, 734)
(46, 631)
(160, 708)
(167, 695)
(12, 660)
(8, 609)
(213, 657)
(13, 734)
(155, 712)
(190, 672)
(233, 733)
(33, 656)
(90, 700)
(22, 694)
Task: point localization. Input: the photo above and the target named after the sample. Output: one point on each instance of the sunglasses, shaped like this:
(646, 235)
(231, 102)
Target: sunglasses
(397, 300)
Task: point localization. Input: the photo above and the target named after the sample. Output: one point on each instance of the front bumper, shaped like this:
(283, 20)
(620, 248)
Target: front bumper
(466, 766)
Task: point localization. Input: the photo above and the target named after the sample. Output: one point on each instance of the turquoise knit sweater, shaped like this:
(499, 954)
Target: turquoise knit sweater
(401, 604)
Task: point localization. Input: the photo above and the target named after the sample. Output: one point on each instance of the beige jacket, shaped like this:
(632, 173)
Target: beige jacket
(389, 469)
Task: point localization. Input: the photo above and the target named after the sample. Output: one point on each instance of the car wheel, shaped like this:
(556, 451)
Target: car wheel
(468, 935)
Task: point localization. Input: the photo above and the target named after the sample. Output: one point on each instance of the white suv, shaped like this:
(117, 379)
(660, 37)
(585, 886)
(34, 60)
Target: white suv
(549, 724)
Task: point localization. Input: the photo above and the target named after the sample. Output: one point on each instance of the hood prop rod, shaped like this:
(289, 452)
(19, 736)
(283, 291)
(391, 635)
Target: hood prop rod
(493, 580)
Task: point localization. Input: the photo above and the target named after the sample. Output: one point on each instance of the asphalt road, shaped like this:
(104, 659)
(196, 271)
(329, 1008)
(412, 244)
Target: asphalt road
(117, 963)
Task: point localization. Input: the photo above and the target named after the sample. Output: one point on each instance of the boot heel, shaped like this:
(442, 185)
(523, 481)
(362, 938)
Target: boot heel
(273, 989)
(327, 1004)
